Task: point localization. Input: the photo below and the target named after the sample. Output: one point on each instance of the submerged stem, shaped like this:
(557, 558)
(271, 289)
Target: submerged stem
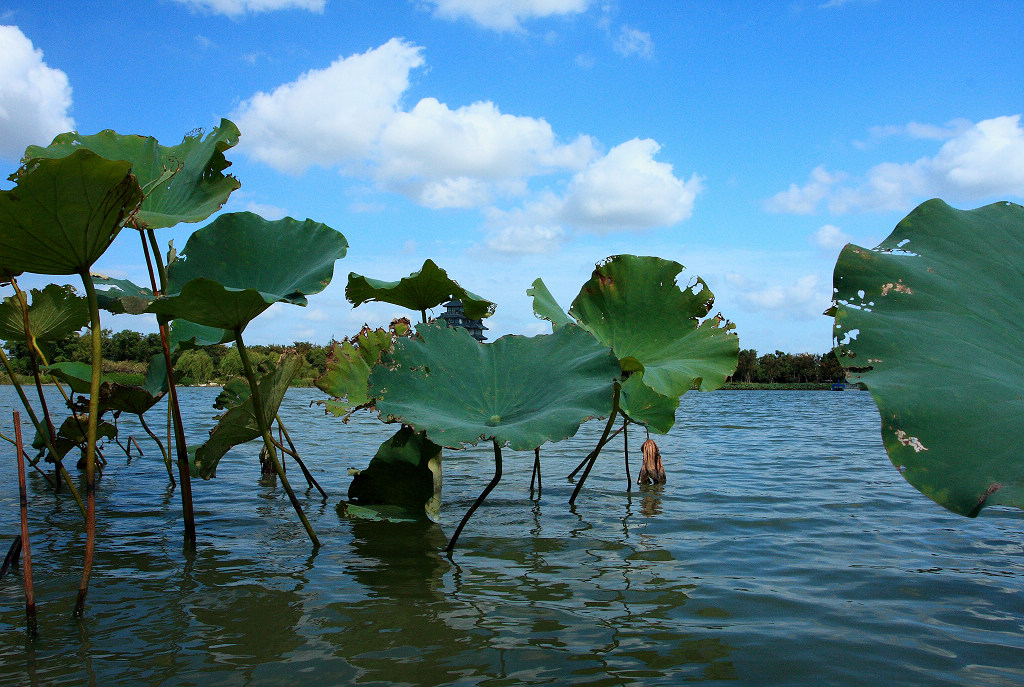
(480, 499)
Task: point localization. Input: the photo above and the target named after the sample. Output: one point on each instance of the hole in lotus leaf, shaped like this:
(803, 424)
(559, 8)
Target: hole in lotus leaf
(861, 294)
(849, 336)
(902, 243)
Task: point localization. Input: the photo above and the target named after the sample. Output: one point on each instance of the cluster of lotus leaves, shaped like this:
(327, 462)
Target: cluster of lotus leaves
(634, 305)
(930, 321)
(271, 261)
(348, 367)
(519, 391)
(429, 287)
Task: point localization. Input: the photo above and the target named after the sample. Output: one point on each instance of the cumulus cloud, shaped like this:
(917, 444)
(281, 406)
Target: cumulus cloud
(505, 15)
(634, 42)
(802, 299)
(830, 237)
(271, 212)
(34, 98)
(526, 239)
(330, 116)
(980, 161)
(233, 8)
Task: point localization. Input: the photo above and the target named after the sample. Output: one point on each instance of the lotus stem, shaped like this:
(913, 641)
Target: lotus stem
(592, 458)
(480, 499)
(30, 598)
(536, 471)
(90, 448)
(163, 451)
(310, 480)
(268, 439)
(180, 445)
(583, 462)
(625, 453)
(12, 556)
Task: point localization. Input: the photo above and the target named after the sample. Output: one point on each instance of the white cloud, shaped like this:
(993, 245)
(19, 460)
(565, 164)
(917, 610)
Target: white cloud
(830, 237)
(978, 162)
(634, 42)
(506, 15)
(520, 239)
(34, 98)
(271, 212)
(233, 8)
(919, 130)
(330, 116)
(802, 299)
(628, 189)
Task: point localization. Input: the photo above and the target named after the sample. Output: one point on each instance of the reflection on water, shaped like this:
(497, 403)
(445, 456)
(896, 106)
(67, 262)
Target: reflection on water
(784, 549)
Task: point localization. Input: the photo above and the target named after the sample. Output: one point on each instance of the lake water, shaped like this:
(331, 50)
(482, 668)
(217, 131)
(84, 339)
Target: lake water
(784, 549)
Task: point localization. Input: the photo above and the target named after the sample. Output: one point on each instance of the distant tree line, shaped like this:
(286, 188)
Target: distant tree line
(787, 368)
(128, 353)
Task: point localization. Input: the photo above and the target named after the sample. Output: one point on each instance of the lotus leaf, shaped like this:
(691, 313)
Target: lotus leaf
(646, 406)
(930, 321)
(634, 305)
(545, 306)
(183, 183)
(72, 434)
(55, 312)
(238, 425)
(520, 391)
(121, 296)
(77, 375)
(349, 365)
(232, 394)
(420, 291)
(64, 213)
(405, 472)
(282, 260)
(136, 399)
(185, 334)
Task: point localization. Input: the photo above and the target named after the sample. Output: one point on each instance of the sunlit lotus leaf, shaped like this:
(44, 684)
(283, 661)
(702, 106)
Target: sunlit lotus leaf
(405, 472)
(930, 321)
(545, 306)
(185, 334)
(183, 183)
(634, 305)
(121, 296)
(643, 404)
(77, 375)
(64, 213)
(53, 313)
(521, 391)
(240, 264)
(350, 362)
(238, 425)
(420, 291)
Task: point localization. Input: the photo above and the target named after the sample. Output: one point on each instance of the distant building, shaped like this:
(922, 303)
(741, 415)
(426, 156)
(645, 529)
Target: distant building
(454, 315)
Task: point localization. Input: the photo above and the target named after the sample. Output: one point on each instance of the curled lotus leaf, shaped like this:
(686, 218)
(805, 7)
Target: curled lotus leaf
(646, 406)
(53, 313)
(282, 260)
(120, 296)
(929, 320)
(64, 213)
(545, 306)
(420, 291)
(634, 305)
(238, 425)
(185, 334)
(350, 362)
(182, 183)
(520, 391)
(405, 473)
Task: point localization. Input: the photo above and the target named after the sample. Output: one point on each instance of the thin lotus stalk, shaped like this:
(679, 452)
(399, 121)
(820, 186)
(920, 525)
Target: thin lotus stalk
(480, 499)
(163, 451)
(536, 471)
(90, 449)
(180, 444)
(294, 453)
(592, 458)
(423, 315)
(26, 548)
(47, 438)
(625, 453)
(583, 462)
(13, 554)
(268, 438)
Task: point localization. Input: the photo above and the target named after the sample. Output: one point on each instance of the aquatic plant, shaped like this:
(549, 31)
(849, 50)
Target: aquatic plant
(429, 287)
(929, 321)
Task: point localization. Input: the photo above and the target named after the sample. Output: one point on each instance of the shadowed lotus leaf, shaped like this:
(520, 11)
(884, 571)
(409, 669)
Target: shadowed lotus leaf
(238, 425)
(634, 305)
(63, 214)
(643, 404)
(121, 296)
(520, 391)
(185, 334)
(77, 375)
(349, 364)
(270, 261)
(53, 313)
(405, 472)
(183, 183)
(420, 291)
(929, 320)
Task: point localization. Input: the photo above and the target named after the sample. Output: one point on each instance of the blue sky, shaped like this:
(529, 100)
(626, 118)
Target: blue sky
(532, 138)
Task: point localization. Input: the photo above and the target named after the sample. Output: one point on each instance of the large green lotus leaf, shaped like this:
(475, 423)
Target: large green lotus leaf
(420, 291)
(121, 296)
(185, 334)
(634, 305)
(183, 183)
(405, 472)
(545, 306)
(930, 321)
(348, 367)
(77, 375)
(521, 391)
(238, 424)
(64, 213)
(240, 264)
(54, 312)
(643, 404)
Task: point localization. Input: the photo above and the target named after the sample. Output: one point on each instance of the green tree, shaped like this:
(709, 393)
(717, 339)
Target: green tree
(195, 365)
